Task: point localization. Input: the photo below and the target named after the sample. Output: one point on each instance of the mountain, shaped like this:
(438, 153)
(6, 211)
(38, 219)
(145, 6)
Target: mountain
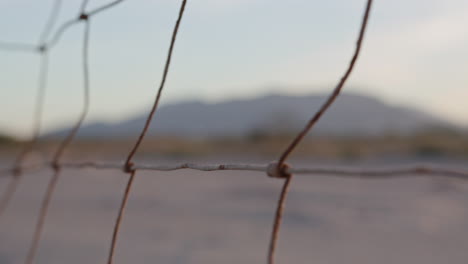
(351, 114)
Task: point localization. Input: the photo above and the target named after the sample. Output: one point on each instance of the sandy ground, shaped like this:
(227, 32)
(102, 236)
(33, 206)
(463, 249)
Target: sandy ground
(226, 217)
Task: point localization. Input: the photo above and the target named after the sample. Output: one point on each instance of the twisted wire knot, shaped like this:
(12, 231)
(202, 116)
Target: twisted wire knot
(16, 171)
(277, 170)
(42, 48)
(83, 16)
(128, 167)
(55, 165)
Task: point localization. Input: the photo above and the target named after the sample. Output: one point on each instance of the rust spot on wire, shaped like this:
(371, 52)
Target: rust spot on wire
(83, 16)
(276, 170)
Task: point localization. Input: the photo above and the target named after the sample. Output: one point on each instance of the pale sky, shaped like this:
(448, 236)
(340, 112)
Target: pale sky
(415, 53)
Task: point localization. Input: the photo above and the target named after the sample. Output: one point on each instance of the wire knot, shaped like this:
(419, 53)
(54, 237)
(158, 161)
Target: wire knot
(55, 165)
(83, 16)
(16, 171)
(128, 167)
(42, 48)
(276, 170)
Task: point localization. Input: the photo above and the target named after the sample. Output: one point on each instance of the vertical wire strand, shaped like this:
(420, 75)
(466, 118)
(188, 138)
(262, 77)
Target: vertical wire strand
(277, 220)
(118, 221)
(71, 135)
(84, 3)
(86, 99)
(14, 181)
(56, 166)
(39, 106)
(10, 190)
(31, 255)
(50, 21)
(128, 162)
(336, 91)
(280, 165)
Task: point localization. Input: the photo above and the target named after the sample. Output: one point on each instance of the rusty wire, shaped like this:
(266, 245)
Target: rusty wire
(118, 221)
(281, 163)
(55, 38)
(17, 173)
(275, 169)
(59, 152)
(50, 21)
(128, 166)
(414, 170)
(128, 163)
(39, 107)
(31, 254)
(42, 48)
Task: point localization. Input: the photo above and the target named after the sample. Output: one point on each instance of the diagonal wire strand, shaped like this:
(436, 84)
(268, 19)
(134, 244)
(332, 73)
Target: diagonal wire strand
(84, 3)
(128, 162)
(66, 25)
(302, 134)
(86, 99)
(50, 21)
(10, 189)
(277, 220)
(43, 49)
(284, 172)
(104, 7)
(28, 147)
(64, 144)
(336, 91)
(60, 31)
(118, 221)
(39, 105)
(42, 217)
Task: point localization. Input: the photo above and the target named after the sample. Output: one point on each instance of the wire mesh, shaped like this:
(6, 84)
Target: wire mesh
(277, 169)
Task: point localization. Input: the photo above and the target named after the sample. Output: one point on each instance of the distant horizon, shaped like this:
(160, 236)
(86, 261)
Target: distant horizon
(279, 93)
(411, 55)
(353, 113)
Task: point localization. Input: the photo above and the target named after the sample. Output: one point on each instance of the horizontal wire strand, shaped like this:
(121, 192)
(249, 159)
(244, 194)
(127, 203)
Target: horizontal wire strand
(415, 170)
(418, 170)
(16, 46)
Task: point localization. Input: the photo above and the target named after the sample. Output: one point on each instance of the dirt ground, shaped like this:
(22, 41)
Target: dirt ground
(225, 217)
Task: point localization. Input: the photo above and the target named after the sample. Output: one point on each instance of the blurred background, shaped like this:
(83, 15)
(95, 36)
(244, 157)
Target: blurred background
(244, 79)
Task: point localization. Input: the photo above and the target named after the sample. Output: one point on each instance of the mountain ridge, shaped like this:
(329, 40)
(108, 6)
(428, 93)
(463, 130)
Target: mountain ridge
(351, 114)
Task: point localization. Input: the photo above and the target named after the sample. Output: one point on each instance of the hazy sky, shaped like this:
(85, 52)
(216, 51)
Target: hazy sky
(415, 53)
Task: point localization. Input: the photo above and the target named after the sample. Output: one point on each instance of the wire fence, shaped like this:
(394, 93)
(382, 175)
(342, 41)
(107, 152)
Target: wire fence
(277, 169)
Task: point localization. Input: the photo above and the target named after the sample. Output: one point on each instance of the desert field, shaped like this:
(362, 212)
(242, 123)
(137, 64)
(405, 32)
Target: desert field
(225, 217)
(315, 84)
